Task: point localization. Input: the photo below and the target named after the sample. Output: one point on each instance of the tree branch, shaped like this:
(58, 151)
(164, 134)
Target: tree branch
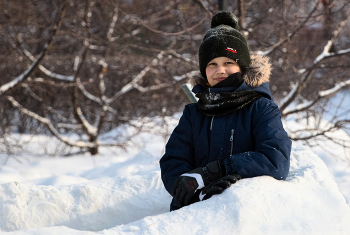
(78, 113)
(326, 53)
(49, 125)
(14, 83)
(22, 77)
(142, 23)
(88, 94)
(301, 84)
(187, 75)
(133, 84)
(335, 126)
(321, 95)
(112, 25)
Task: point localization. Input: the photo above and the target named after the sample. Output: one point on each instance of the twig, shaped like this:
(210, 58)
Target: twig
(289, 36)
(205, 8)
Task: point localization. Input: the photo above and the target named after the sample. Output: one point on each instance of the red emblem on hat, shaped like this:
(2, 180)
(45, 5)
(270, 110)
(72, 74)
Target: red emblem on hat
(231, 49)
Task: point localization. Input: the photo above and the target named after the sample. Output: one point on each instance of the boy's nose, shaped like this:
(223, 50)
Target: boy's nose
(221, 69)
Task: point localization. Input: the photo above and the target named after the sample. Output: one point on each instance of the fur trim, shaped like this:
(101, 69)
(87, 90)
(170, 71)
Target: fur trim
(256, 74)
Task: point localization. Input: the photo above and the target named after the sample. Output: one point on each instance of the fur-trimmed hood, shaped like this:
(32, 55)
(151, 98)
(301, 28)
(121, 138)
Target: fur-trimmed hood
(255, 75)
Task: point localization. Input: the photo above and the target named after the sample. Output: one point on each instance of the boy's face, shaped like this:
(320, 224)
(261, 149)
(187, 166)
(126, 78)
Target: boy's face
(220, 68)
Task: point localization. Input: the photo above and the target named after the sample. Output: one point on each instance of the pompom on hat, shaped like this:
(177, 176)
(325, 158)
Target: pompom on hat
(223, 39)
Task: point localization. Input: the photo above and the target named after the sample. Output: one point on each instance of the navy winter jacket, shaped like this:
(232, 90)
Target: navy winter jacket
(251, 141)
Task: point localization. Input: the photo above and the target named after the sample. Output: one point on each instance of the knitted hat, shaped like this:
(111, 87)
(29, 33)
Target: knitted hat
(223, 40)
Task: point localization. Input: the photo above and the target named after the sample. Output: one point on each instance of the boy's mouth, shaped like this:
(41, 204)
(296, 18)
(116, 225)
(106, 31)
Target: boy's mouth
(219, 79)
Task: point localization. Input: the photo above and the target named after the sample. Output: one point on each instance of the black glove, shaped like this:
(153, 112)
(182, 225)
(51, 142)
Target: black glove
(218, 186)
(187, 184)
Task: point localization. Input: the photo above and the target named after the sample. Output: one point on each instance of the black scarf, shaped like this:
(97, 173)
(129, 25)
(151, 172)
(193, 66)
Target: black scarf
(234, 80)
(222, 103)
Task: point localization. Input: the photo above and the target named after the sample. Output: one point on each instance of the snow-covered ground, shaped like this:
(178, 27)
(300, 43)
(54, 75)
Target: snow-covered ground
(120, 192)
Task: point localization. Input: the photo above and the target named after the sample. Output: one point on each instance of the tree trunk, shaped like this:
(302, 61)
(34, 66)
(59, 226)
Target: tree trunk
(242, 13)
(221, 4)
(94, 150)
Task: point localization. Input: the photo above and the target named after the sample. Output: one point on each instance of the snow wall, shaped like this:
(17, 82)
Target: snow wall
(308, 202)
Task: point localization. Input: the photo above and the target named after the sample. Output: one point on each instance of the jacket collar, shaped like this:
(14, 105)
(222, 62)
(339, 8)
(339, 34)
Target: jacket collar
(264, 89)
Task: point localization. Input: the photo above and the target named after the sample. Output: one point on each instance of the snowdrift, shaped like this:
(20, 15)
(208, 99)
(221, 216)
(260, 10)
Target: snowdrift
(307, 202)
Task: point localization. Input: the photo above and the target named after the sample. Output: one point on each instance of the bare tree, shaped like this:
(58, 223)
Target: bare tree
(87, 67)
(103, 65)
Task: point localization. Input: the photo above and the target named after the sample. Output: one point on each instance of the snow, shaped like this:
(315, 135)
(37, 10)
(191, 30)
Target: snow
(91, 206)
(121, 192)
(335, 157)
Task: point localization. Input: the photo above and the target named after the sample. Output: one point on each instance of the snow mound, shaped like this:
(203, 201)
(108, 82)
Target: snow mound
(307, 202)
(93, 206)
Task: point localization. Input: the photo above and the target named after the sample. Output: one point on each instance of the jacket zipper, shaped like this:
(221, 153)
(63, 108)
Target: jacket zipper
(231, 140)
(212, 118)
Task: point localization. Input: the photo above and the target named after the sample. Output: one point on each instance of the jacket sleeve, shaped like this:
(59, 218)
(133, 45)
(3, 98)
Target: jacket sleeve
(272, 145)
(179, 152)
